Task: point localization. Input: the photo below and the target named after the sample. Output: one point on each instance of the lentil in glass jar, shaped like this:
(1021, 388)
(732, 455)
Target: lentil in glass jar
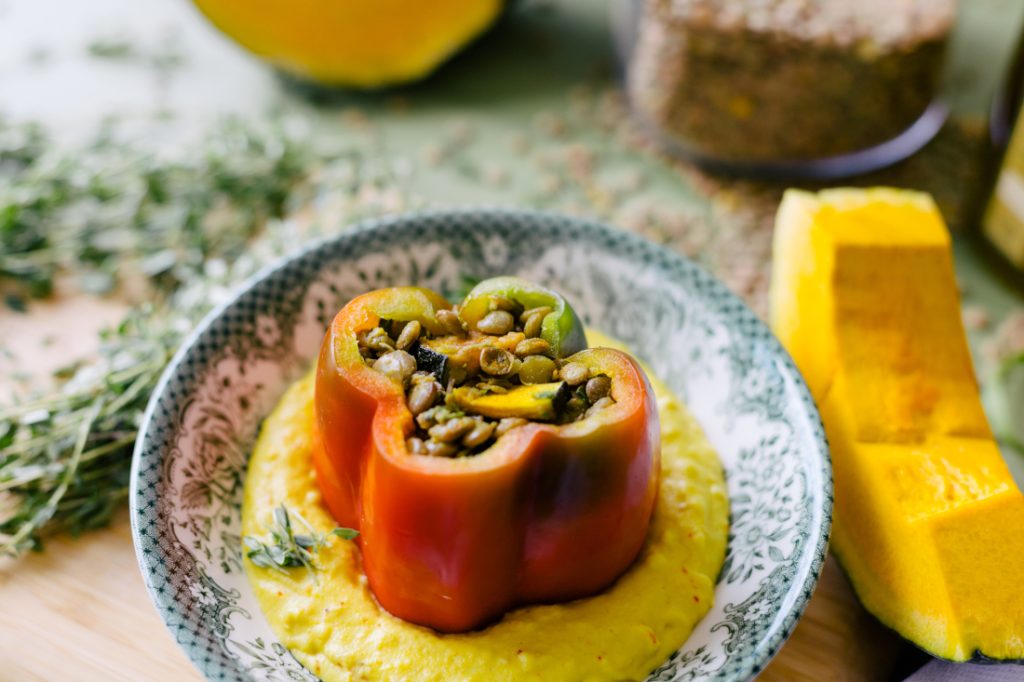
(787, 88)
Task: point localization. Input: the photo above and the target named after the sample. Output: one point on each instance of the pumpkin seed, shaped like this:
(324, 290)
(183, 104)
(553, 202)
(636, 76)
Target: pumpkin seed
(598, 387)
(536, 369)
(496, 361)
(573, 373)
(496, 323)
(532, 347)
(415, 446)
(410, 334)
(396, 364)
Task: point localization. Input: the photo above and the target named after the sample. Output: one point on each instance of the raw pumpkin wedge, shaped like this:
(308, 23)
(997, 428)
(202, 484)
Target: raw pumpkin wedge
(929, 524)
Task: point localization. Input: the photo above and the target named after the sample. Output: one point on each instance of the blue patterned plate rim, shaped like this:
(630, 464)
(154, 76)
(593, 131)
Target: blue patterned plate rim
(817, 542)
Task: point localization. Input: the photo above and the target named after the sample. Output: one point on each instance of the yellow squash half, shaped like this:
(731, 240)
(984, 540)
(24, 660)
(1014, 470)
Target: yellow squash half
(928, 522)
(354, 43)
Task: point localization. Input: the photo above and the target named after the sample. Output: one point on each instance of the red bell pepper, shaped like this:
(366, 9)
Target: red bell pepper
(548, 513)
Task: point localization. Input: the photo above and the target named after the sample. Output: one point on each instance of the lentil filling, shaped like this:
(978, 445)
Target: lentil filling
(470, 386)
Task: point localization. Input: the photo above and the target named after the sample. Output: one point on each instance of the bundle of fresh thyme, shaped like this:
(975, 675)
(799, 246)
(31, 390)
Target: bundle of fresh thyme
(114, 208)
(63, 456)
(185, 227)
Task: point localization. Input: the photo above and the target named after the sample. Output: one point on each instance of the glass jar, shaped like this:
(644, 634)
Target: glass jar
(801, 89)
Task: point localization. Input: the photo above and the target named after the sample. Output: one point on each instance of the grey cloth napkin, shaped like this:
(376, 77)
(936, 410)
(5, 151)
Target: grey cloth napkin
(941, 671)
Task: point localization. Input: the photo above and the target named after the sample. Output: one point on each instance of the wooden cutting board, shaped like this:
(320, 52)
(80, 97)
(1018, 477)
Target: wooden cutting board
(79, 611)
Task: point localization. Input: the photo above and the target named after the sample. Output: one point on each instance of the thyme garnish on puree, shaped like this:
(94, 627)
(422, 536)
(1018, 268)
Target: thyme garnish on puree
(286, 549)
(187, 227)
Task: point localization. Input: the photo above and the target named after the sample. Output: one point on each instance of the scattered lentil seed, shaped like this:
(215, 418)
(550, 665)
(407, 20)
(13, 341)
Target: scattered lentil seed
(598, 388)
(495, 175)
(451, 322)
(397, 364)
(532, 347)
(496, 323)
(433, 154)
(976, 318)
(550, 185)
(550, 123)
(480, 434)
(496, 361)
(410, 334)
(519, 143)
(423, 396)
(509, 423)
(573, 373)
(453, 429)
(537, 369)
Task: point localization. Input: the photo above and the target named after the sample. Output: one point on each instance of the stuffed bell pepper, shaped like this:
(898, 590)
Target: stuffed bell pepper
(486, 456)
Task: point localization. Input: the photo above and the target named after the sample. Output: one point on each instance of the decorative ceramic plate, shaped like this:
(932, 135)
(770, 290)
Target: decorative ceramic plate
(190, 461)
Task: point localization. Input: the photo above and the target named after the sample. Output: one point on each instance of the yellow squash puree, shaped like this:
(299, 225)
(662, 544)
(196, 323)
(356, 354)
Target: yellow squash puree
(334, 626)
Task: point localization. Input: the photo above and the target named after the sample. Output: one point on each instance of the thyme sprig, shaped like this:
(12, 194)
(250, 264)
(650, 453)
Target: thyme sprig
(64, 456)
(114, 209)
(288, 549)
(189, 226)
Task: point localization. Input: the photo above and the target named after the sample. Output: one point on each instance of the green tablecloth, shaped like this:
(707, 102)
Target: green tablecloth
(529, 116)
